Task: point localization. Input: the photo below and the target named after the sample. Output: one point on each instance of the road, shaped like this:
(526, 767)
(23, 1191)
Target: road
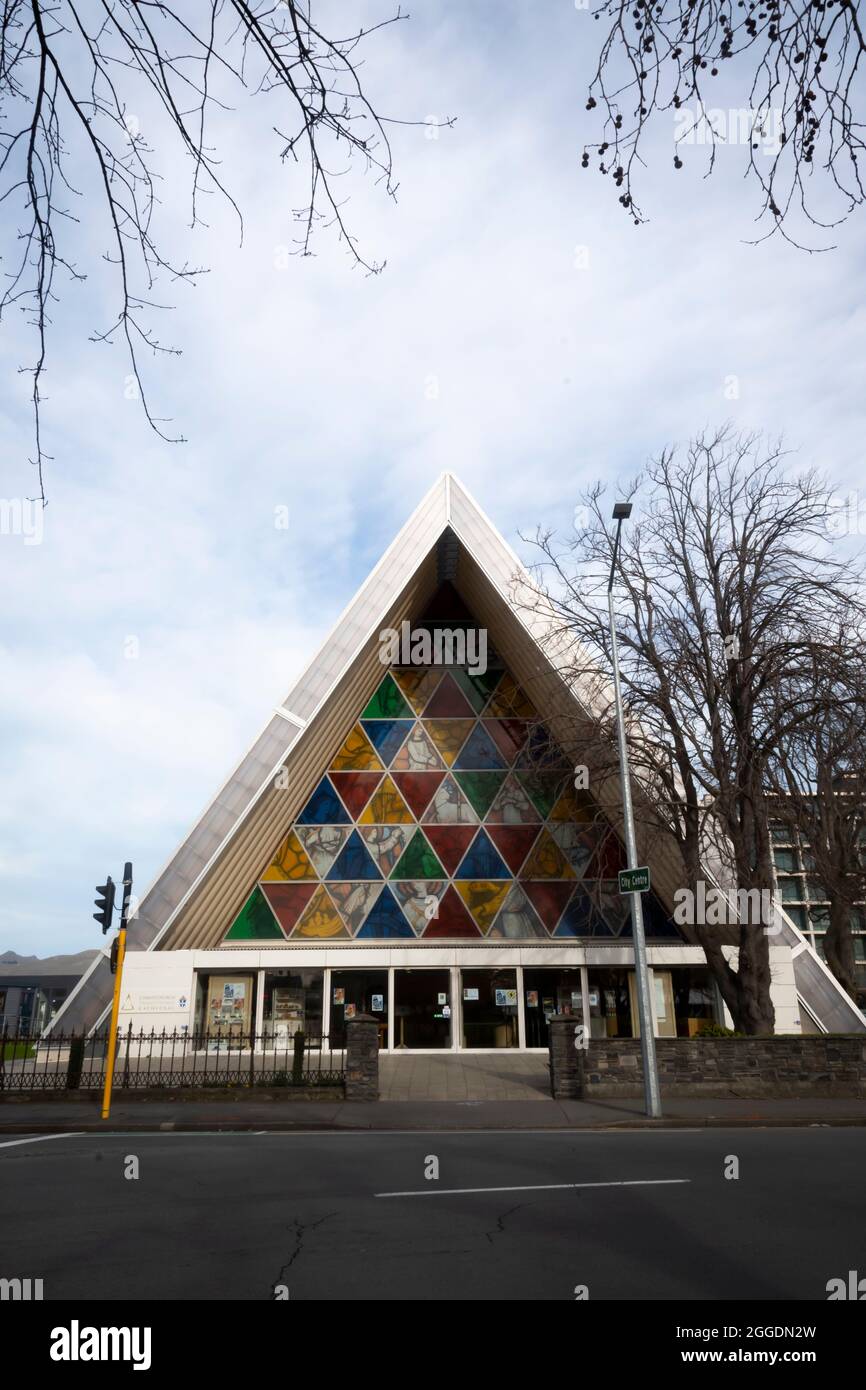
(644, 1215)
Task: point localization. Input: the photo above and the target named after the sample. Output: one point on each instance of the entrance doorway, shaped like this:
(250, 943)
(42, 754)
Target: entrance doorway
(548, 992)
(358, 992)
(422, 1008)
(490, 1008)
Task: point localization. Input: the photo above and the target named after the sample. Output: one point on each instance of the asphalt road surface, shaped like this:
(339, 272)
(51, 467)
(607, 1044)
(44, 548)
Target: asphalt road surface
(512, 1215)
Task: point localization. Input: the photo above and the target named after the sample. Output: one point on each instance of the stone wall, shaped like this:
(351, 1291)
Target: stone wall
(752, 1068)
(362, 1058)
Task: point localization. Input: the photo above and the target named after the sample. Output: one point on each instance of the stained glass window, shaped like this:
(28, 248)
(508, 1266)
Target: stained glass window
(447, 811)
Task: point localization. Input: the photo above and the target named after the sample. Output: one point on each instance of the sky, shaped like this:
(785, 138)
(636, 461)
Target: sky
(524, 335)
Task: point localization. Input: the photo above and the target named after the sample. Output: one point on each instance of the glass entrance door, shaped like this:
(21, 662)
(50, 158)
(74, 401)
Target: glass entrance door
(422, 1008)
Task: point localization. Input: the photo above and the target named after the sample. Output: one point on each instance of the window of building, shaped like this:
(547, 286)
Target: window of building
(548, 992)
(292, 1003)
(358, 992)
(489, 1008)
(609, 1006)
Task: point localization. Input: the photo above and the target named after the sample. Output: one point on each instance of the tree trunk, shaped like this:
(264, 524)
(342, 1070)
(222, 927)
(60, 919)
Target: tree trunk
(839, 944)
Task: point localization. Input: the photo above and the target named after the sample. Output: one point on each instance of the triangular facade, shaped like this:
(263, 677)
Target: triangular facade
(394, 807)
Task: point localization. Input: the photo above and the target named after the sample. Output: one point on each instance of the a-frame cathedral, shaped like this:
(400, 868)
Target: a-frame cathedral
(405, 838)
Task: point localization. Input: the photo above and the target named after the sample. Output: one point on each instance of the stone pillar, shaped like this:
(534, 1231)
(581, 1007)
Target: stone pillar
(362, 1058)
(566, 1059)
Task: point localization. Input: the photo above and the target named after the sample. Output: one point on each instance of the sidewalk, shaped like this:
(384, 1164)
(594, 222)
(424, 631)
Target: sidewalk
(58, 1117)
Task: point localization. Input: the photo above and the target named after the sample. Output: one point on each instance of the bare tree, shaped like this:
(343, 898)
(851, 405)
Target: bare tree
(75, 76)
(796, 65)
(819, 780)
(722, 595)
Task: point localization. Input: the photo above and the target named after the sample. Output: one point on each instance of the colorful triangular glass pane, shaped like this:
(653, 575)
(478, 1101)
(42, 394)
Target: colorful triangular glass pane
(386, 735)
(516, 920)
(255, 921)
(387, 702)
(547, 860)
(452, 920)
(418, 860)
(482, 860)
(289, 862)
(321, 918)
(417, 754)
(450, 842)
(417, 788)
(354, 901)
(479, 751)
(512, 806)
(483, 898)
(386, 807)
(386, 843)
(354, 861)
(287, 901)
(480, 788)
(513, 842)
(322, 843)
(449, 735)
(448, 701)
(357, 754)
(324, 807)
(355, 789)
(449, 806)
(386, 919)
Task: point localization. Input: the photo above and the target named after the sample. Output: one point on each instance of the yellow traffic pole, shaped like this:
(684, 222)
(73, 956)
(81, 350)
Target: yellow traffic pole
(115, 1010)
(118, 975)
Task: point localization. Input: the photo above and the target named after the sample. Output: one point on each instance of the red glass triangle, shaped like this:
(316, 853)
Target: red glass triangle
(448, 701)
(453, 919)
(513, 842)
(451, 842)
(417, 788)
(288, 901)
(355, 789)
(548, 898)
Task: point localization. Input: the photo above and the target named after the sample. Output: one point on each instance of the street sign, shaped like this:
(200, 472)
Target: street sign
(634, 880)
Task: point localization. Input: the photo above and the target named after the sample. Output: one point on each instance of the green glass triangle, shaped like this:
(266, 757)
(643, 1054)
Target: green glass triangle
(480, 788)
(418, 860)
(478, 689)
(255, 921)
(543, 788)
(387, 703)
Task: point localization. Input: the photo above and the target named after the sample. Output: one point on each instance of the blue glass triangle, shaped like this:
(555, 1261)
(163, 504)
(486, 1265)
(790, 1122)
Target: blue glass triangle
(482, 860)
(581, 919)
(480, 752)
(354, 861)
(386, 735)
(386, 918)
(324, 807)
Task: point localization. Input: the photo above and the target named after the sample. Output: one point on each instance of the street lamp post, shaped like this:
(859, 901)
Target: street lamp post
(621, 512)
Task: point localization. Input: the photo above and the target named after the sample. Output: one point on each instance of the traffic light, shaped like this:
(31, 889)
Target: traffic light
(113, 956)
(105, 903)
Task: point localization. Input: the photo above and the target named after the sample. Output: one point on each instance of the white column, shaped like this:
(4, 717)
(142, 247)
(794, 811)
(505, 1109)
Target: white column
(391, 1008)
(326, 1009)
(258, 1026)
(521, 1001)
(456, 1009)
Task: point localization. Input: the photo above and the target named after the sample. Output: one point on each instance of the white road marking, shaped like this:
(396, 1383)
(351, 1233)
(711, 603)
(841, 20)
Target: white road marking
(543, 1187)
(40, 1139)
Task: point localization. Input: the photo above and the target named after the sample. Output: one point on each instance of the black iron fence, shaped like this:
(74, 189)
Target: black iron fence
(155, 1060)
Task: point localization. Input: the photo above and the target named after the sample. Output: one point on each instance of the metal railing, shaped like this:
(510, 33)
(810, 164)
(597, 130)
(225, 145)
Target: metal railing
(159, 1060)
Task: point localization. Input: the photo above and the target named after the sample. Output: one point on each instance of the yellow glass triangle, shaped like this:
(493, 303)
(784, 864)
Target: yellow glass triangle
(289, 862)
(357, 754)
(483, 899)
(547, 860)
(386, 807)
(509, 701)
(417, 686)
(449, 735)
(320, 917)
(567, 809)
